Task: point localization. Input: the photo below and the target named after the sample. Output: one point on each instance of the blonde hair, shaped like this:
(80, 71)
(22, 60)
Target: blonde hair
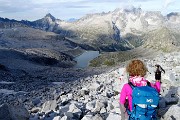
(136, 68)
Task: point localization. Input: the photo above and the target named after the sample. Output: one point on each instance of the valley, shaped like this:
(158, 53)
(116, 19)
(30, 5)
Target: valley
(43, 76)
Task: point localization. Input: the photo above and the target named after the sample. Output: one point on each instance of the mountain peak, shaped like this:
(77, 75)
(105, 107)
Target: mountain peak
(48, 15)
(132, 9)
(173, 14)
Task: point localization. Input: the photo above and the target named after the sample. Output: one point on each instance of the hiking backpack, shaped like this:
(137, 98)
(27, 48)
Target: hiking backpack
(145, 100)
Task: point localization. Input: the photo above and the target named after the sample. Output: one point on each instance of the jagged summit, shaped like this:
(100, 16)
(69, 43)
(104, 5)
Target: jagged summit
(48, 15)
(133, 9)
(174, 17)
(129, 9)
(173, 14)
(47, 23)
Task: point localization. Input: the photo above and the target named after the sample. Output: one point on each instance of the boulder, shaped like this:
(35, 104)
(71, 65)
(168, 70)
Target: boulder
(84, 91)
(109, 106)
(4, 112)
(63, 109)
(95, 86)
(13, 112)
(171, 97)
(162, 102)
(57, 118)
(75, 110)
(172, 113)
(35, 109)
(48, 106)
(113, 116)
(98, 106)
(90, 105)
(36, 101)
(87, 117)
(97, 117)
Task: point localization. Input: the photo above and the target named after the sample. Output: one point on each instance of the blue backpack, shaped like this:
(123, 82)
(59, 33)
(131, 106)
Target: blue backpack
(145, 100)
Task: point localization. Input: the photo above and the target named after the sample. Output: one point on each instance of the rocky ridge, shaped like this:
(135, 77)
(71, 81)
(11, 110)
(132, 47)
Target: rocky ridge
(110, 28)
(113, 27)
(162, 39)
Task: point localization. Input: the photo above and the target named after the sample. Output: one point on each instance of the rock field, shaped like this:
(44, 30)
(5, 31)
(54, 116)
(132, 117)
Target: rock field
(91, 97)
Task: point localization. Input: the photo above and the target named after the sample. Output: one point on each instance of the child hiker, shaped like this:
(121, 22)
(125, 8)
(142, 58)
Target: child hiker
(136, 70)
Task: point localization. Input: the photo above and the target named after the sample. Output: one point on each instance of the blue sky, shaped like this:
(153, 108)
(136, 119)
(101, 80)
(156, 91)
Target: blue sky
(65, 9)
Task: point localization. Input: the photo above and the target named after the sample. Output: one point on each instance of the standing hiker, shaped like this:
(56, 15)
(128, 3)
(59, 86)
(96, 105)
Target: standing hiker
(137, 70)
(158, 71)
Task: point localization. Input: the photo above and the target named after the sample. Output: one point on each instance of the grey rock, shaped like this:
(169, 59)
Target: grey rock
(13, 112)
(75, 110)
(97, 117)
(109, 94)
(87, 117)
(36, 101)
(4, 112)
(48, 106)
(84, 91)
(103, 110)
(172, 113)
(110, 106)
(64, 98)
(35, 109)
(70, 96)
(113, 116)
(57, 118)
(95, 86)
(64, 118)
(91, 117)
(69, 116)
(162, 102)
(91, 105)
(98, 106)
(63, 109)
(171, 97)
(34, 117)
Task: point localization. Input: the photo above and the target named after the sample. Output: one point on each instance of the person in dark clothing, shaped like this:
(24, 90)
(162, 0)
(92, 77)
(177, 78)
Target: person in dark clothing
(158, 71)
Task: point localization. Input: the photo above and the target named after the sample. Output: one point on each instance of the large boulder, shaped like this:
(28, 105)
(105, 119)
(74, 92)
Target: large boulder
(172, 113)
(49, 106)
(75, 110)
(13, 112)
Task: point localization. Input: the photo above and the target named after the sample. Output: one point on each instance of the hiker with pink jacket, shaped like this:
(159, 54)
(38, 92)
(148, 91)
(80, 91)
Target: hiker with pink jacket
(136, 70)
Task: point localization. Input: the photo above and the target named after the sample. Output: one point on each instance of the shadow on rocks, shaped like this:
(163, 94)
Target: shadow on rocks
(168, 104)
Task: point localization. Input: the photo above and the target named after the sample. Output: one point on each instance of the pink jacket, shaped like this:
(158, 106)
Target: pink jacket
(126, 92)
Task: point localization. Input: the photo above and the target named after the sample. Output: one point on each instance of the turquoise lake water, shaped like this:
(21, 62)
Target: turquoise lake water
(83, 59)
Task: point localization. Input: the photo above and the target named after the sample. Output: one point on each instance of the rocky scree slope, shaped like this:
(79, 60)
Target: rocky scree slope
(97, 97)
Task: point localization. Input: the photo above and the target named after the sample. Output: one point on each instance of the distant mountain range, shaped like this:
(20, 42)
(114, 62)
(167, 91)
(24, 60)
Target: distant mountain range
(72, 20)
(110, 31)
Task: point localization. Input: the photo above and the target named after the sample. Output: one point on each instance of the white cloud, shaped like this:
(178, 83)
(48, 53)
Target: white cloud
(54, 1)
(167, 3)
(64, 9)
